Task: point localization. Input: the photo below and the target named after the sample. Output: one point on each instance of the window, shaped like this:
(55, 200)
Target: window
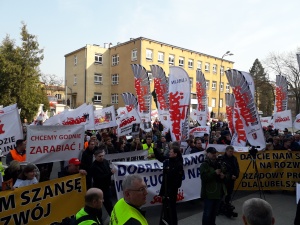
(191, 63)
(199, 65)
(215, 68)
(98, 58)
(214, 85)
(207, 65)
(115, 60)
(114, 99)
(149, 54)
(227, 87)
(161, 56)
(58, 96)
(75, 60)
(207, 84)
(221, 86)
(115, 79)
(181, 61)
(97, 97)
(191, 81)
(213, 102)
(171, 59)
(222, 70)
(97, 78)
(221, 103)
(75, 80)
(194, 96)
(133, 55)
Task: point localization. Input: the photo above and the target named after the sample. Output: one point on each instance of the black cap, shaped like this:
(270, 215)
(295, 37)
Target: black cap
(211, 150)
(206, 134)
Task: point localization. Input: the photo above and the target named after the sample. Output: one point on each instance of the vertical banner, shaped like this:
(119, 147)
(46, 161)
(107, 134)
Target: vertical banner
(43, 203)
(53, 143)
(142, 88)
(179, 97)
(283, 120)
(10, 128)
(105, 118)
(246, 107)
(161, 88)
(281, 94)
(201, 110)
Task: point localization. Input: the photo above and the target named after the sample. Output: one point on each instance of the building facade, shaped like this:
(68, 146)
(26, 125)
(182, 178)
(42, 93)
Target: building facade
(100, 75)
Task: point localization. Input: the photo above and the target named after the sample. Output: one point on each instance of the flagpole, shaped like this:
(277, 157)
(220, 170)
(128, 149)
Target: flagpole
(228, 53)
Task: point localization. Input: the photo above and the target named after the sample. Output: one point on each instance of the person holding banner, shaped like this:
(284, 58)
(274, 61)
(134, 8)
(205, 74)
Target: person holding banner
(150, 147)
(127, 210)
(172, 179)
(87, 160)
(19, 153)
(213, 187)
(91, 213)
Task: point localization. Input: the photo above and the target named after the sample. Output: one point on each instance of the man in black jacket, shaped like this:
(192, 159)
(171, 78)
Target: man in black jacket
(87, 160)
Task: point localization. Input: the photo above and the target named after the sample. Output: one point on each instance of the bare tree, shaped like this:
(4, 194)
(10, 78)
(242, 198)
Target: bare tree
(286, 64)
(51, 81)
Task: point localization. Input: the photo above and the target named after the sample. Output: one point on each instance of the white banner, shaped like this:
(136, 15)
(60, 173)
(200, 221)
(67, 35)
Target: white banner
(105, 118)
(265, 121)
(54, 143)
(283, 120)
(127, 120)
(199, 131)
(297, 122)
(179, 97)
(10, 128)
(152, 173)
(127, 156)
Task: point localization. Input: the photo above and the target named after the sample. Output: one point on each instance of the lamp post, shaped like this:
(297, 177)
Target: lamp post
(228, 53)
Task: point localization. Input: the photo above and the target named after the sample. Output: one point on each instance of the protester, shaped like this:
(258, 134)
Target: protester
(72, 168)
(87, 160)
(163, 145)
(257, 211)
(197, 147)
(149, 146)
(27, 176)
(172, 178)
(12, 171)
(19, 153)
(101, 174)
(213, 187)
(91, 213)
(127, 210)
(136, 144)
(110, 148)
(190, 146)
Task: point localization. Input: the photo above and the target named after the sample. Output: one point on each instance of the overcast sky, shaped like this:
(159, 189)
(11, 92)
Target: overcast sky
(248, 28)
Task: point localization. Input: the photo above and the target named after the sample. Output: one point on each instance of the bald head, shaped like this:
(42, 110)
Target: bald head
(94, 198)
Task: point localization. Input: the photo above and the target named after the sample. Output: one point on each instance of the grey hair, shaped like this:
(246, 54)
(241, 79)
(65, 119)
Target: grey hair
(258, 212)
(127, 182)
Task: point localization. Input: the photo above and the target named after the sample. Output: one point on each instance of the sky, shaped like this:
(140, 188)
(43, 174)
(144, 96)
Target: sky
(249, 29)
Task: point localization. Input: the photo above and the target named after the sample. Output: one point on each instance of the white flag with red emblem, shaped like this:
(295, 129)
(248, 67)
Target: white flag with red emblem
(265, 121)
(283, 120)
(105, 118)
(179, 97)
(297, 122)
(244, 103)
(128, 117)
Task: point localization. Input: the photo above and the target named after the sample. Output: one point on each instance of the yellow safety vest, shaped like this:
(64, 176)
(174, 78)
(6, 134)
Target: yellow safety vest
(122, 212)
(150, 149)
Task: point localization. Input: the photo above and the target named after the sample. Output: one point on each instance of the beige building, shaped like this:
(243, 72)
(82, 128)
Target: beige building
(100, 75)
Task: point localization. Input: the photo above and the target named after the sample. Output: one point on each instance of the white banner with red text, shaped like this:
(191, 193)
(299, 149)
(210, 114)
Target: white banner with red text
(297, 122)
(265, 121)
(105, 118)
(128, 117)
(53, 143)
(283, 120)
(10, 128)
(199, 131)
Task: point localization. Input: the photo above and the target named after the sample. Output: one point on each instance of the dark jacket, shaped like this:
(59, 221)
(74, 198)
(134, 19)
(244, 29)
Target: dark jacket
(172, 176)
(232, 165)
(101, 173)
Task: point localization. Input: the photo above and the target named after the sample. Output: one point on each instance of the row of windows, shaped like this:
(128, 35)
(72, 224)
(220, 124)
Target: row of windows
(98, 98)
(114, 79)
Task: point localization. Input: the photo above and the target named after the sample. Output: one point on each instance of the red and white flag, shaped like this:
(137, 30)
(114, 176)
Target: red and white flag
(161, 87)
(199, 131)
(105, 118)
(142, 88)
(297, 122)
(246, 107)
(281, 94)
(128, 117)
(10, 128)
(179, 97)
(283, 120)
(265, 121)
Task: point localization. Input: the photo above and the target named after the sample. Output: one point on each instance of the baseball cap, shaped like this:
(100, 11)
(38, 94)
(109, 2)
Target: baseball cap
(211, 150)
(74, 161)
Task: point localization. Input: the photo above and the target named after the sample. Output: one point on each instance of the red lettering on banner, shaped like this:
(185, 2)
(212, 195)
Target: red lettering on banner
(229, 113)
(203, 129)
(242, 101)
(282, 119)
(140, 92)
(127, 121)
(239, 127)
(280, 96)
(2, 131)
(264, 121)
(53, 148)
(176, 115)
(200, 93)
(72, 121)
(160, 89)
(298, 121)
